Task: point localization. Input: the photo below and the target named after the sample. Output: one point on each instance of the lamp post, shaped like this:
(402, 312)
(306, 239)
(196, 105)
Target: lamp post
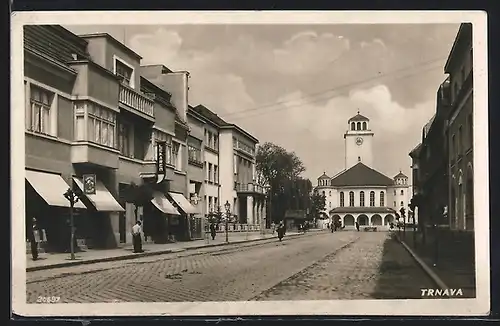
(227, 206)
(73, 199)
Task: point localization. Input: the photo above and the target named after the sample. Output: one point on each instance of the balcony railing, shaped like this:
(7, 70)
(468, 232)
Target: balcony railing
(136, 101)
(249, 187)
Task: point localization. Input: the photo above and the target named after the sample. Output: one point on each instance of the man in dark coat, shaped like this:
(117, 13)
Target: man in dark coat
(357, 226)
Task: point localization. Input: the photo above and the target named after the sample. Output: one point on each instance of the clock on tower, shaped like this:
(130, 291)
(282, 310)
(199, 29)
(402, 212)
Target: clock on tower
(359, 141)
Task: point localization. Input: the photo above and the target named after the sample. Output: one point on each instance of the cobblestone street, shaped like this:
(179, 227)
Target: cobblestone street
(345, 265)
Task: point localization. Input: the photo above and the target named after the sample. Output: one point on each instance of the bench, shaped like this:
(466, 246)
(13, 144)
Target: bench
(370, 228)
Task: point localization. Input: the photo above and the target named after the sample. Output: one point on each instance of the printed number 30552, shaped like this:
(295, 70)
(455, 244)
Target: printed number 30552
(42, 299)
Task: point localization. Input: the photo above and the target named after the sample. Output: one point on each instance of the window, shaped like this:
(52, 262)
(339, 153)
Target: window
(395, 194)
(329, 204)
(194, 154)
(453, 147)
(341, 199)
(216, 142)
(176, 155)
(216, 202)
(210, 172)
(359, 158)
(372, 198)
(394, 204)
(216, 179)
(162, 136)
(362, 199)
(402, 203)
(460, 141)
(351, 198)
(101, 125)
(323, 193)
(470, 131)
(382, 199)
(330, 194)
(358, 126)
(40, 101)
(364, 125)
(124, 71)
(402, 192)
(124, 139)
(209, 141)
(353, 126)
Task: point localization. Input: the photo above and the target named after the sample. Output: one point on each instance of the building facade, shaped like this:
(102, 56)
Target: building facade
(359, 193)
(234, 152)
(460, 131)
(89, 111)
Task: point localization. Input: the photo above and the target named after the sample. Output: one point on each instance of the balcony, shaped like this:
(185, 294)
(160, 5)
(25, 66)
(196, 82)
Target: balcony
(136, 102)
(249, 188)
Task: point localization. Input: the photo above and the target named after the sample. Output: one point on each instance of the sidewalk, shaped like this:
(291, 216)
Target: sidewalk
(453, 262)
(57, 260)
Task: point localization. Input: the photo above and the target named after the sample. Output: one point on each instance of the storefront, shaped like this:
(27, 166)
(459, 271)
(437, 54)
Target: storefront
(183, 225)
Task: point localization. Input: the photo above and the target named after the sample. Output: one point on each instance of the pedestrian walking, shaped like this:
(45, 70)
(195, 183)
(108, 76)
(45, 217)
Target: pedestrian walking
(34, 238)
(136, 237)
(273, 228)
(281, 230)
(213, 231)
(357, 226)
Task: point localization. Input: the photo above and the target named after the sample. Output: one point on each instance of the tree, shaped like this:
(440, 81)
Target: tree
(318, 203)
(138, 195)
(280, 170)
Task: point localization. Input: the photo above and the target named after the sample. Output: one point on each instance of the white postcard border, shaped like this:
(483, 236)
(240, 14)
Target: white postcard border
(478, 306)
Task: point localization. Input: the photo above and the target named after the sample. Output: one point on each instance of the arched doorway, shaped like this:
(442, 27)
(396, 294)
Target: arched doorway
(363, 219)
(388, 219)
(348, 220)
(376, 219)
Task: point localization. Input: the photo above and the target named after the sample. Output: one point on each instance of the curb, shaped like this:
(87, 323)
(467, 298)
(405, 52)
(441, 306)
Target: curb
(435, 278)
(147, 254)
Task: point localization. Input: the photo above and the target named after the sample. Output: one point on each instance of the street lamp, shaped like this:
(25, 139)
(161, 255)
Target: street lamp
(73, 199)
(227, 206)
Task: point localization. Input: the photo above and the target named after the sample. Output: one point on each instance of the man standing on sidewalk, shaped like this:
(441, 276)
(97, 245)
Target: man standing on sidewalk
(136, 237)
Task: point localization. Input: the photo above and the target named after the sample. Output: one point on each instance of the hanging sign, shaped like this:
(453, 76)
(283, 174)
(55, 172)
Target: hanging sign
(161, 164)
(89, 184)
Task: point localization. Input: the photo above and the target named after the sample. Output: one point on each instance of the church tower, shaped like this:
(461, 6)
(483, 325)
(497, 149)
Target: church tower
(358, 142)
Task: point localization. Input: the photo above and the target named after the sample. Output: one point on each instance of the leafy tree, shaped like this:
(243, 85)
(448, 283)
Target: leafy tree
(138, 195)
(280, 170)
(318, 203)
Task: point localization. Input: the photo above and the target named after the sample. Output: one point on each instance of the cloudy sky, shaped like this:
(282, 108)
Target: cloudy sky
(297, 85)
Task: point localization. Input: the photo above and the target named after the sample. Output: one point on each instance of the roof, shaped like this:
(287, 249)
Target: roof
(427, 126)
(209, 115)
(361, 175)
(464, 34)
(415, 151)
(324, 176)
(358, 117)
(400, 175)
(363, 210)
(55, 42)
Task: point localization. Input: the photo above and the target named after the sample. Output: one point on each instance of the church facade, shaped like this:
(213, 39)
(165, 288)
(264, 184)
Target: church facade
(359, 193)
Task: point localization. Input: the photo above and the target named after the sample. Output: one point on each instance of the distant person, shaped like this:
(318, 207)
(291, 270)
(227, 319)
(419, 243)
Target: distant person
(281, 230)
(213, 232)
(273, 227)
(136, 237)
(34, 238)
(357, 226)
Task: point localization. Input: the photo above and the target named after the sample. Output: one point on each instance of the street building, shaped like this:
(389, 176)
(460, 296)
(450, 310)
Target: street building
(359, 193)
(460, 131)
(443, 162)
(235, 151)
(93, 110)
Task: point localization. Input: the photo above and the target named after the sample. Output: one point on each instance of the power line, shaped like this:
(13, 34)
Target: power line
(312, 95)
(256, 114)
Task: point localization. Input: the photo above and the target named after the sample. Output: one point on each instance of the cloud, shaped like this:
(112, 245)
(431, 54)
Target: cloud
(245, 71)
(396, 128)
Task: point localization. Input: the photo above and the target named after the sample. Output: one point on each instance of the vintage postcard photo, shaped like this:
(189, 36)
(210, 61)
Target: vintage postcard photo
(250, 163)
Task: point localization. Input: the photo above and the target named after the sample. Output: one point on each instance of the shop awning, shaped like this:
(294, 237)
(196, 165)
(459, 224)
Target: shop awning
(161, 202)
(103, 200)
(51, 187)
(183, 203)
